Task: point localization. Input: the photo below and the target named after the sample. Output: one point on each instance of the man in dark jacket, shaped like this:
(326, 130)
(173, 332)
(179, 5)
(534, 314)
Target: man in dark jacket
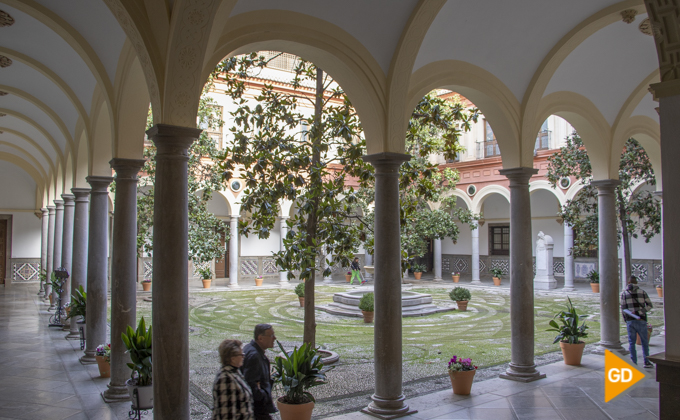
(635, 304)
(257, 371)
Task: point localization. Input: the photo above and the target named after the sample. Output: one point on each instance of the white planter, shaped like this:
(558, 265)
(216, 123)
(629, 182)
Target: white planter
(145, 394)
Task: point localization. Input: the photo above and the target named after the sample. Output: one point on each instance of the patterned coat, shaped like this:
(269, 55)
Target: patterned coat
(232, 398)
(635, 300)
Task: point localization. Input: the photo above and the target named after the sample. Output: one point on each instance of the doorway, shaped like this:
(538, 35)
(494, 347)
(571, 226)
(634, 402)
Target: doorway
(222, 265)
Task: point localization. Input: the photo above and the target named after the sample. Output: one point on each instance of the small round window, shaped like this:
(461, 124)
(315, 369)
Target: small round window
(565, 182)
(471, 190)
(235, 186)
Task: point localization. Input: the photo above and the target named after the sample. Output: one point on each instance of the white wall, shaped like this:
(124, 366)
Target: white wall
(252, 246)
(17, 188)
(26, 235)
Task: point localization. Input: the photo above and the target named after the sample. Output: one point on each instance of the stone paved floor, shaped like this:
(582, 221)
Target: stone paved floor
(41, 378)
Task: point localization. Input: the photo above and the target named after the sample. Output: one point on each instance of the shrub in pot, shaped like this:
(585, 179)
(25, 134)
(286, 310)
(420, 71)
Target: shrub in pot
(297, 371)
(138, 345)
(594, 278)
(461, 296)
(300, 292)
(206, 276)
(366, 305)
(497, 275)
(418, 270)
(569, 334)
(462, 373)
(78, 303)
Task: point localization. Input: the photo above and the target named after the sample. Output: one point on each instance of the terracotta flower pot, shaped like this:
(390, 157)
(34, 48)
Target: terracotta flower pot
(302, 301)
(104, 367)
(595, 287)
(572, 353)
(206, 283)
(348, 277)
(417, 275)
(368, 317)
(462, 305)
(258, 282)
(496, 281)
(649, 335)
(455, 278)
(295, 411)
(659, 291)
(68, 310)
(51, 299)
(461, 382)
(146, 286)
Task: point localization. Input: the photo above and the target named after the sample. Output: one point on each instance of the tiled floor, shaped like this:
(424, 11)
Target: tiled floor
(41, 378)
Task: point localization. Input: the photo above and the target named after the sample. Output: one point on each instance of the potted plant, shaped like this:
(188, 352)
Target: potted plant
(297, 371)
(594, 278)
(78, 303)
(366, 305)
(206, 276)
(659, 290)
(497, 275)
(56, 286)
(456, 276)
(461, 296)
(138, 345)
(418, 270)
(146, 285)
(103, 356)
(462, 373)
(650, 328)
(300, 292)
(259, 280)
(348, 276)
(569, 334)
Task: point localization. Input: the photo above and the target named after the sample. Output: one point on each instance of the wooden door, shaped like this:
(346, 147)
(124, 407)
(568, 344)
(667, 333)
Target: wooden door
(3, 249)
(222, 265)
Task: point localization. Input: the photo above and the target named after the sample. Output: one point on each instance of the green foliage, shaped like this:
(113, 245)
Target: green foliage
(496, 272)
(55, 282)
(297, 371)
(78, 303)
(460, 293)
(593, 276)
(205, 272)
(367, 302)
(569, 332)
(418, 268)
(300, 290)
(138, 345)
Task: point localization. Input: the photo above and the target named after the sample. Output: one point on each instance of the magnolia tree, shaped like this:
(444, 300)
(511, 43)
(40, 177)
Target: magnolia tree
(205, 177)
(638, 211)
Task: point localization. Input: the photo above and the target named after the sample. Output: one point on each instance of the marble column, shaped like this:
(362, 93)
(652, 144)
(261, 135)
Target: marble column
(522, 367)
(124, 272)
(79, 264)
(568, 258)
(659, 195)
(50, 249)
(325, 263)
(283, 275)
(170, 271)
(67, 244)
(58, 238)
(609, 266)
(368, 261)
(43, 245)
(388, 401)
(475, 253)
(437, 269)
(233, 251)
(97, 266)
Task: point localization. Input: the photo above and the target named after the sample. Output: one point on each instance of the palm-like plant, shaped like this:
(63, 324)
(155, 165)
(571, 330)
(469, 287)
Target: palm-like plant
(78, 303)
(570, 331)
(138, 344)
(297, 371)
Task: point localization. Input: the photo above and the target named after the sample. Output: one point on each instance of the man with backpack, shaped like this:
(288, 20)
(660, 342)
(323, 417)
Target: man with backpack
(635, 304)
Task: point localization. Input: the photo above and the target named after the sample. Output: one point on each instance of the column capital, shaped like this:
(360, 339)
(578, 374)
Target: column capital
(605, 185)
(234, 216)
(44, 210)
(99, 184)
(68, 199)
(658, 194)
(172, 140)
(126, 169)
(82, 194)
(386, 162)
(519, 176)
(59, 204)
(51, 209)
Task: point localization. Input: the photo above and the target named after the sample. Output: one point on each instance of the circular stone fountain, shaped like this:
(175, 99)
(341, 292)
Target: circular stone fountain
(412, 304)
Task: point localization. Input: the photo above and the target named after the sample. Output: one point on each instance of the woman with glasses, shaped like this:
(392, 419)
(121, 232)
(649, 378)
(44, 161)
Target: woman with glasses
(232, 397)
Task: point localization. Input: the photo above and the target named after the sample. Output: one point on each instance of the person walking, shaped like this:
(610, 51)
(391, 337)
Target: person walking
(257, 370)
(635, 304)
(232, 397)
(356, 271)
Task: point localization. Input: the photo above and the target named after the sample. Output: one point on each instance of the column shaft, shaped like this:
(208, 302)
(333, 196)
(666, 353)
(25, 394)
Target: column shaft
(233, 251)
(50, 249)
(369, 262)
(437, 259)
(58, 242)
(522, 367)
(325, 262)
(283, 275)
(609, 266)
(388, 399)
(97, 266)
(568, 258)
(67, 244)
(123, 272)
(79, 264)
(43, 245)
(475, 252)
(170, 272)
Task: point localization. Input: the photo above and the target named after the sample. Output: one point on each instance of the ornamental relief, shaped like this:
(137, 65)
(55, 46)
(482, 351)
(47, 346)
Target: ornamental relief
(5, 19)
(5, 61)
(663, 14)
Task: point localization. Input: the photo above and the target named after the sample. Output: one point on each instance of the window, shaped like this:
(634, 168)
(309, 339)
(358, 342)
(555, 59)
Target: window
(281, 61)
(543, 137)
(490, 144)
(215, 132)
(499, 239)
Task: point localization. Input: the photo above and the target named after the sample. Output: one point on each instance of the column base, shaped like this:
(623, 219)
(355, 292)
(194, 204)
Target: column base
(234, 286)
(73, 335)
(327, 280)
(476, 282)
(522, 373)
(668, 377)
(88, 359)
(568, 289)
(601, 347)
(388, 408)
(438, 279)
(115, 394)
(544, 284)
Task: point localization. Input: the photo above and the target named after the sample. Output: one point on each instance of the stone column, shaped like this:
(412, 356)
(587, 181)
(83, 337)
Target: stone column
(283, 275)
(58, 242)
(43, 245)
(609, 266)
(369, 261)
(97, 266)
(522, 367)
(79, 264)
(437, 260)
(568, 258)
(50, 249)
(475, 253)
(124, 272)
(659, 195)
(170, 271)
(325, 263)
(388, 400)
(233, 251)
(67, 244)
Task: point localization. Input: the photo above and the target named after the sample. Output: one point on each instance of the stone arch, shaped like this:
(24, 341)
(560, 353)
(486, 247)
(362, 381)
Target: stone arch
(322, 43)
(484, 193)
(69, 181)
(542, 184)
(29, 140)
(234, 208)
(26, 167)
(486, 91)
(647, 132)
(59, 182)
(463, 196)
(24, 153)
(101, 144)
(81, 163)
(573, 190)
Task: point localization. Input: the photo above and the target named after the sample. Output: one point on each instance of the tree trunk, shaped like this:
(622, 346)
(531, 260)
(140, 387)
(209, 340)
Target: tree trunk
(309, 335)
(627, 267)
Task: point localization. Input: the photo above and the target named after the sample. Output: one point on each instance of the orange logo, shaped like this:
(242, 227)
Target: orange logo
(619, 376)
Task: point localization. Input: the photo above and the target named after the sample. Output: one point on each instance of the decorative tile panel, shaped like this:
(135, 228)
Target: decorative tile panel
(558, 267)
(25, 272)
(446, 265)
(269, 266)
(659, 269)
(148, 270)
(640, 271)
(249, 267)
(581, 269)
(461, 265)
(482, 266)
(504, 265)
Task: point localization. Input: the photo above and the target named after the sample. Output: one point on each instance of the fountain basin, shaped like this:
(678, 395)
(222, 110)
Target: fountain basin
(412, 304)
